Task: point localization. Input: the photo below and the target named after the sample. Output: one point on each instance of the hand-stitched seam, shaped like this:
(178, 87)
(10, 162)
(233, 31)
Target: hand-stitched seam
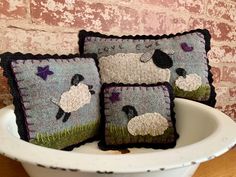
(21, 100)
(26, 109)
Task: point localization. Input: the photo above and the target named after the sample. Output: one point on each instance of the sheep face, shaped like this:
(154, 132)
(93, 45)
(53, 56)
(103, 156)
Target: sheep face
(76, 79)
(153, 124)
(161, 59)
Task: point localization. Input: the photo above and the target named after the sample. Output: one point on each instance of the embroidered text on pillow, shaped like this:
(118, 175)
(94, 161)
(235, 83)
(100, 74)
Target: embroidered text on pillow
(186, 50)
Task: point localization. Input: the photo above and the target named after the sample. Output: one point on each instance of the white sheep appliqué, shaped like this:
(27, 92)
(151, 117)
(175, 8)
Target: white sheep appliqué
(149, 67)
(187, 82)
(75, 98)
(153, 124)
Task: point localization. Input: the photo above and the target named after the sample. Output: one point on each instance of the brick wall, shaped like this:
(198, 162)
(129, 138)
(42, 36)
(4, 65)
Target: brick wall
(51, 26)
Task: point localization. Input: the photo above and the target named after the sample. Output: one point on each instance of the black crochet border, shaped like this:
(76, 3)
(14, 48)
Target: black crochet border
(207, 37)
(102, 144)
(5, 62)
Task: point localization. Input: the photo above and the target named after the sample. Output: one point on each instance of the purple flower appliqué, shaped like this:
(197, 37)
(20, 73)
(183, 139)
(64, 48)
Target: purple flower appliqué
(43, 72)
(186, 47)
(115, 96)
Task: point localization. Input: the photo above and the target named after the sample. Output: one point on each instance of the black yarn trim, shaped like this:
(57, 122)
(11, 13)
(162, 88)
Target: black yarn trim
(5, 62)
(102, 144)
(83, 34)
(207, 37)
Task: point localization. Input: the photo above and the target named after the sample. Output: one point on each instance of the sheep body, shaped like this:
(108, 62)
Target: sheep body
(127, 68)
(75, 98)
(153, 124)
(190, 83)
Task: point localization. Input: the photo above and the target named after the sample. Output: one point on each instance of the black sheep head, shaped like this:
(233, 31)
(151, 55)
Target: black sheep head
(161, 59)
(130, 111)
(76, 79)
(181, 72)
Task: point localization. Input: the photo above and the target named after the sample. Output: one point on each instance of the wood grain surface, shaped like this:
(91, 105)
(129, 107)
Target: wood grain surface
(223, 166)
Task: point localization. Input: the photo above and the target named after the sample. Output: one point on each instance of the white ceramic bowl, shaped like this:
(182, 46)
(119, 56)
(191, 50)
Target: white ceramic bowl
(204, 134)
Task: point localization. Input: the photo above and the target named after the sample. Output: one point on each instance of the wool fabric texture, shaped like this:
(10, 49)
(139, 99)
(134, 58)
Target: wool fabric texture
(187, 50)
(37, 82)
(153, 124)
(75, 98)
(135, 115)
(127, 68)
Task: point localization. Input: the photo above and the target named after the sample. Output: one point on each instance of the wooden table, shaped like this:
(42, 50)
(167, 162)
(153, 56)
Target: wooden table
(223, 166)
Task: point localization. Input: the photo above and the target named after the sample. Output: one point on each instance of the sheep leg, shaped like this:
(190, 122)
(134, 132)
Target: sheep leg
(59, 113)
(90, 87)
(92, 92)
(66, 116)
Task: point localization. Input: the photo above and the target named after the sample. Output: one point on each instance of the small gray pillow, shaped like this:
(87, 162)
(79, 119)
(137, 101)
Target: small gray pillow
(138, 116)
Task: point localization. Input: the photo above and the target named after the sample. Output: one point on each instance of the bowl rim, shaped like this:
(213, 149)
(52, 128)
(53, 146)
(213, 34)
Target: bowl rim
(212, 146)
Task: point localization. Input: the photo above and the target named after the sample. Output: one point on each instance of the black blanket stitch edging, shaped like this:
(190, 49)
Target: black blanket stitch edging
(6, 59)
(207, 37)
(102, 144)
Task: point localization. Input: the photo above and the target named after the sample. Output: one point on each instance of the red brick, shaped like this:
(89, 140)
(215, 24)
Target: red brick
(162, 23)
(229, 74)
(229, 110)
(165, 3)
(232, 92)
(52, 12)
(14, 39)
(93, 16)
(220, 31)
(222, 9)
(96, 16)
(222, 94)
(129, 20)
(196, 6)
(125, 1)
(226, 54)
(105, 17)
(225, 94)
(13, 9)
(216, 74)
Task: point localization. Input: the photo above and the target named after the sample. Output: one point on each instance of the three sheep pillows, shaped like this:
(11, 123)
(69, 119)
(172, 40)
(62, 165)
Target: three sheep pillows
(123, 94)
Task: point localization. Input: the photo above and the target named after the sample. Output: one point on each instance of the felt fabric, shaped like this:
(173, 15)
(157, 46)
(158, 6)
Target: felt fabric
(153, 124)
(187, 50)
(190, 82)
(75, 98)
(161, 59)
(127, 68)
(138, 116)
(38, 82)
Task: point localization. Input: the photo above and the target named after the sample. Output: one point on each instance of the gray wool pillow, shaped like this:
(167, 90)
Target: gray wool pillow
(135, 115)
(56, 98)
(179, 59)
